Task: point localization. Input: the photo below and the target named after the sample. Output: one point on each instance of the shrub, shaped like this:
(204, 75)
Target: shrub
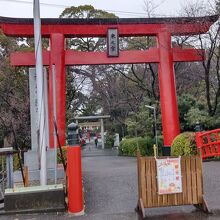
(59, 160)
(128, 147)
(184, 144)
(109, 141)
(16, 164)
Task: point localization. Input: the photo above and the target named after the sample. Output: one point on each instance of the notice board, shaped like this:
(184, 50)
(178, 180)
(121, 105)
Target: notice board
(169, 179)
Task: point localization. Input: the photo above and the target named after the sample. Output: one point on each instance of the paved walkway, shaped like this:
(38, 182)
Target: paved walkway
(110, 185)
(111, 191)
(89, 150)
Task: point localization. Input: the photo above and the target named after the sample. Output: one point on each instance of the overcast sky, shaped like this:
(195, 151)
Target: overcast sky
(122, 8)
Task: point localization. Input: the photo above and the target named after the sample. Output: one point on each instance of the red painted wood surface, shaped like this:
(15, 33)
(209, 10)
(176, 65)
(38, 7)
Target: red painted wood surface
(208, 142)
(164, 54)
(125, 30)
(57, 57)
(97, 58)
(74, 174)
(168, 100)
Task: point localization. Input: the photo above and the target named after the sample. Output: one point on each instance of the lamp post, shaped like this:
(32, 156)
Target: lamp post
(155, 124)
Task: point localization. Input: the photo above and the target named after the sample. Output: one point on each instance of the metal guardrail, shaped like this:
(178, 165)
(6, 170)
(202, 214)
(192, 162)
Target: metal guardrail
(3, 177)
(6, 169)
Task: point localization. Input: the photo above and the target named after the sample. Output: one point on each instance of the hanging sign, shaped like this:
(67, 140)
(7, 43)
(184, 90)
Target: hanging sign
(113, 42)
(169, 179)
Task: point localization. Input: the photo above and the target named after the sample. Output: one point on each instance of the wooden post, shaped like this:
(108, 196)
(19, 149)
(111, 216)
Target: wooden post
(139, 172)
(26, 176)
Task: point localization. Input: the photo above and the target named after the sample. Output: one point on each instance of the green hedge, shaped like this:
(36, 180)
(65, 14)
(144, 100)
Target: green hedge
(109, 141)
(128, 147)
(184, 144)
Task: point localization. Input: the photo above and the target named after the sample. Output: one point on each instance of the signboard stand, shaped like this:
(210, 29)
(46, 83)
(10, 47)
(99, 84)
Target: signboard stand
(190, 193)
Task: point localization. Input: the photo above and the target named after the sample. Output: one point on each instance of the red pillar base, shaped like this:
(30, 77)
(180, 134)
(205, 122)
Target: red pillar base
(74, 174)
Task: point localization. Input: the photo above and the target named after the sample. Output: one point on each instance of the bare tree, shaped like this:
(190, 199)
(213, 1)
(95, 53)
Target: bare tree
(210, 42)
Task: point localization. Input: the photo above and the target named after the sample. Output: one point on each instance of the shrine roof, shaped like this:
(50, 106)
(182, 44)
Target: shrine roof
(104, 21)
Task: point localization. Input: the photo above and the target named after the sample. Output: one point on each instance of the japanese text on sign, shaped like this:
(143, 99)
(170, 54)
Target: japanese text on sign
(169, 177)
(113, 43)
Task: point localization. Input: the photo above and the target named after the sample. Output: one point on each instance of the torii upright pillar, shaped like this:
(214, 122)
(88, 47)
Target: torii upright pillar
(57, 58)
(168, 99)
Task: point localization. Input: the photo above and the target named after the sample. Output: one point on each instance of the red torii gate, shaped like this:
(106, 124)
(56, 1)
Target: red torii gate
(163, 28)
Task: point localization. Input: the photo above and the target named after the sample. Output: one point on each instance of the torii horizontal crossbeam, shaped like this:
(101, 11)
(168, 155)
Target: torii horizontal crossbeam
(96, 58)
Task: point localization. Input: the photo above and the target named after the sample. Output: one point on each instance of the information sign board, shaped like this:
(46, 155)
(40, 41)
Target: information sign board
(169, 177)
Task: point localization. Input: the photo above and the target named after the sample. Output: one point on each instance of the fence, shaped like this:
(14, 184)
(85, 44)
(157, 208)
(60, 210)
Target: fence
(209, 143)
(192, 184)
(3, 178)
(6, 170)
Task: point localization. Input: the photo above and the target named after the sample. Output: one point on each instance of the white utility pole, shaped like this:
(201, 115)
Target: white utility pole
(40, 93)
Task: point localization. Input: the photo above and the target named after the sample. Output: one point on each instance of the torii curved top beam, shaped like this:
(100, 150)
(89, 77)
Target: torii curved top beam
(102, 21)
(97, 27)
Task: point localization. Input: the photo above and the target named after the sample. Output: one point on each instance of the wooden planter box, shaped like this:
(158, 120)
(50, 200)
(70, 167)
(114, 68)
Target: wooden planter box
(192, 184)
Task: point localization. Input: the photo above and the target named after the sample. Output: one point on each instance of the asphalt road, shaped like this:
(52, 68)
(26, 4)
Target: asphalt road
(111, 191)
(110, 186)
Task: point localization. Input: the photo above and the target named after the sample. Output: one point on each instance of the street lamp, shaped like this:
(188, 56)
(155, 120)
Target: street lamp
(155, 124)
